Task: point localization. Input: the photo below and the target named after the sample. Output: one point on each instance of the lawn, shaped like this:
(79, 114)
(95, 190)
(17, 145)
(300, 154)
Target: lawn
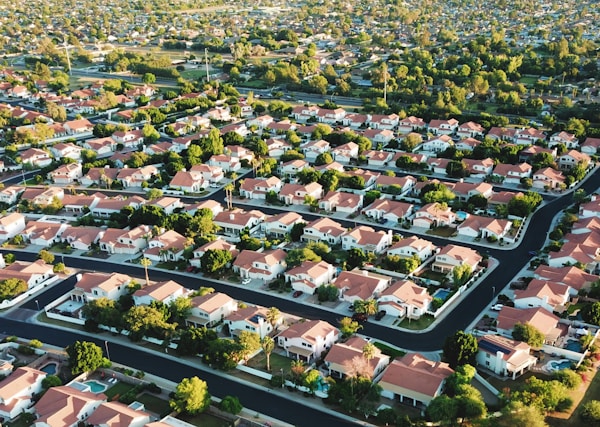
(119, 388)
(442, 231)
(390, 351)
(205, 420)
(19, 422)
(432, 275)
(193, 74)
(417, 324)
(278, 362)
(154, 404)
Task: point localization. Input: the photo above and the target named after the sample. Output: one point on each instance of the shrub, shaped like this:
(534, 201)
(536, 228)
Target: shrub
(564, 405)
(153, 388)
(25, 350)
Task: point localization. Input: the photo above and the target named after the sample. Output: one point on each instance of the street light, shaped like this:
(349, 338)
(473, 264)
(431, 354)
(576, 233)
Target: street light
(107, 352)
(282, 380)
(37, 303)
(493, 291)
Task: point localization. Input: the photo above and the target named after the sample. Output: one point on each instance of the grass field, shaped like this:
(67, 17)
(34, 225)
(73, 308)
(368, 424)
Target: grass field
(417, 324)
(205, 420)
(154, 404)
(119, 388)
(278, 362)
(390, 351)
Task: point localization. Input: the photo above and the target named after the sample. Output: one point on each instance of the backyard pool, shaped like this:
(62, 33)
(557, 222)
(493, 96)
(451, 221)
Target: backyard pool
(441, 294)
(574, 345)
(95, 386)
(558, 365)
(322, 388)
(50, 368)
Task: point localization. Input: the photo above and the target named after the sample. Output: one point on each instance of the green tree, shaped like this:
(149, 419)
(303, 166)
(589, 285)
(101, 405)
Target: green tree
(591, 412)
(297, 231)
(214, 260)
(348, 327)
(516, 414)
(154, 193)
(368, 307)
(443, 409)
(591, 313)
(191, 396)
(51, 381)
(323, 159)
(529, 334)
(356, 258)
(46, 256)
(460, 349)
(231, 404)
(84, 356)
(273, 315)
(568, 377)
(295, 257)
(12, 287)
(148, 78)
(461, 274)
(249, 343)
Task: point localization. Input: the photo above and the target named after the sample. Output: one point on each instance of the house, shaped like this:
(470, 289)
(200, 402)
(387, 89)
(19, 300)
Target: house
(467, 144)
(368, 177)
(470, 130)
(590, 209)
(412, 246)
(66, 406)
(11, 225)
(360, 285)
(314, 149)
(106, 207)
(573, 158)
(563, 138)
(484, 227)
(266, 265)
(210, 309)
(389, 210)
(189, 182)
(590, 146)
(277, 147)
(101, 177)
(411, 124)
(504, 356)
(128, 138)
(434, 215)
(307, 340)
(378, 136)
(367, 239)
(281, 225)
(451, 256)
(378, 158)
(136, 177)
(250, 318)
(529, 136)
(226, 162)
(354, 120)
(215, 245)
(101, 146)
(66, 150)
(438, 165)
(342, 357)
(548, 178)
(18, 389)
(32, 273)
(443, 127)
(43, 233)
(213, 206)
(512, 174)
(290, 169)
(465, 190)
(502, 198)
(323, 230)
(576, 278)
(211, 174)
(296, 194)
(405, 299)
(501, 134)
(66, 174)
(116, 414)
(169, 205)
(10, 195)
(165, 292)
(413, 379)
(81, 238)
(303, 113)
(43, 196)
(309, 275)
(552, 296)
(576, 253)
(337, 201)
(479, 168)
(234, 222)
(239, 152)
(345, 153)
(438, 144)
(93, 286)
(538, 317)
(399, 185)
(127, 241)
(258, 188)
(383, 121)
(36, 158)
(80, 126)
(586, 225)
(527, 154)
(167, 246)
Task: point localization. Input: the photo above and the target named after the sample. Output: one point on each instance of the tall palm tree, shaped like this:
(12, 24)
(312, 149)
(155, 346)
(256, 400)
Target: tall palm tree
(368, 351)
(273, 315)
(145, 262)
(229, 194)
(268, 345)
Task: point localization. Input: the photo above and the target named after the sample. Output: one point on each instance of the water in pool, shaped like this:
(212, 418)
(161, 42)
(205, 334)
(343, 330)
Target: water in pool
(95, 386)
(50, 368)
(574, 345)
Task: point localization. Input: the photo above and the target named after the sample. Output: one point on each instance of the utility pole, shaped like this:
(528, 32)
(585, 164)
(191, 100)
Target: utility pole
(385, 79)
(206, 63)
(67, 51)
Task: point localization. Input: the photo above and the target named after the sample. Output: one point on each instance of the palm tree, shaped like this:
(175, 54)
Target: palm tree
(368, 351)
(145, 262)
(229, 194)
(273, 315)
(268, 345)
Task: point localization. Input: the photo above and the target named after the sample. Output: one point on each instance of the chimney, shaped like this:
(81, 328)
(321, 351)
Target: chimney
(231, 216)
(365, 273)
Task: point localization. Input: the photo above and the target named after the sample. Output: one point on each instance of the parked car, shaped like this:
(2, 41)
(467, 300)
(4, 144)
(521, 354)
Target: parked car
(297, 294)
(246, 281)
(190, 268)
(497, 307)
(360, 317)
(380, 315)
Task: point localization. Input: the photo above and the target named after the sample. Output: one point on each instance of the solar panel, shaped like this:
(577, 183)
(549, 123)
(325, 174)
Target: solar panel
(492, 348)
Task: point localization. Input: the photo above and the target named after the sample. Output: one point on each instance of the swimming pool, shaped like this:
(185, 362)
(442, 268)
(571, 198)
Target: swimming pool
(574, 345)
(558, 365)
(50, 368)
(95, 386)
(441, 294)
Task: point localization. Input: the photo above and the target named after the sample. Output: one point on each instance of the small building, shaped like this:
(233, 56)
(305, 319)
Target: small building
(504, 356)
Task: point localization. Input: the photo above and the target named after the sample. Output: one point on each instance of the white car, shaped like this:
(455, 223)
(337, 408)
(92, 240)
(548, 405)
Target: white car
(246, 281)
(497, 307)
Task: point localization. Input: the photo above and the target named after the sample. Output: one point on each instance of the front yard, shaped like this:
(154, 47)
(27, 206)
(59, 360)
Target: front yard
(278, 362)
